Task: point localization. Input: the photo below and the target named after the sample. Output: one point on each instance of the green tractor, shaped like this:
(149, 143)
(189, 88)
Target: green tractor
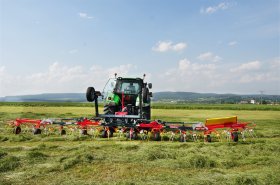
(125, 101)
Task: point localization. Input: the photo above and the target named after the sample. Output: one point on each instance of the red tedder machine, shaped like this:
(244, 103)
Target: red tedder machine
(127, 111)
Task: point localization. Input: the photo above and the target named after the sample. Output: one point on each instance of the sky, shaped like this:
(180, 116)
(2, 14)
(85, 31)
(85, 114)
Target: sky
(50, 46)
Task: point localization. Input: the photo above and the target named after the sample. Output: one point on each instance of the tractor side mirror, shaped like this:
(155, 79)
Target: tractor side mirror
(150, 94)
(150, 85)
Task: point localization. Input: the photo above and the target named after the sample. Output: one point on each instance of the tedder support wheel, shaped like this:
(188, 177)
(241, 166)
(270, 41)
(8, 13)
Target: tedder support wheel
(134, 136)
(37, 131)
(127, 135)
(84, 132)
(157, 136)
(90, 94)
(181, 138)
(63, 132)
(235, 136)
(209, 139)
(17, 130)
(104, 134)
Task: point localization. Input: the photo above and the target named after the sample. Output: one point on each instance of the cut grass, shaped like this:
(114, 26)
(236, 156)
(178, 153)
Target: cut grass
(29, 159)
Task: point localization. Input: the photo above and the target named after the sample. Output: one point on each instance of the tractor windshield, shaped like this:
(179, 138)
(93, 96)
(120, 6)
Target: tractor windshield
(109, 87)
(128, 87)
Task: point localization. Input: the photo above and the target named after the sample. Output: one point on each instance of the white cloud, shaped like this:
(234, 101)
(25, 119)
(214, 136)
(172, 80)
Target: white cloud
(208, 56)
(84, 15)
(60, 78)
(213, 9)
(193, 76)
(275, 63)
(163, 46)
(232, 43)
(250, 66)
(2, 69)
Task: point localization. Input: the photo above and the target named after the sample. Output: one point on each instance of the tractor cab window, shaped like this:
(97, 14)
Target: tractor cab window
(128, 87)
(109, 87)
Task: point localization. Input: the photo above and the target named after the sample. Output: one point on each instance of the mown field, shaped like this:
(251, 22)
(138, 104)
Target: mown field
(75, 159)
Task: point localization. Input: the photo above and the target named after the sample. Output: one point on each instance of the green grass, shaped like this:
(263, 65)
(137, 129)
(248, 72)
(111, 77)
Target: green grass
(29, 159)
(155, 105)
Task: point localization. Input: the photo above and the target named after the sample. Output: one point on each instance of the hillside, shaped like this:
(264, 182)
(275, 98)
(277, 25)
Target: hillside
(189, 97)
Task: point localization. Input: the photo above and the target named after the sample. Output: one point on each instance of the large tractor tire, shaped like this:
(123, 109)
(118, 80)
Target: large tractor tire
(90, 94)
(147, 112)
(109, 110)
(146, 95)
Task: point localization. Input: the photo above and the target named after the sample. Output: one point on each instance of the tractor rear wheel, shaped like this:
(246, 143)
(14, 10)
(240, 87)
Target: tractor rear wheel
(235, 136)
(147, 112)
(90, 94)
(37, 131)
(17, 130)
(146, 95)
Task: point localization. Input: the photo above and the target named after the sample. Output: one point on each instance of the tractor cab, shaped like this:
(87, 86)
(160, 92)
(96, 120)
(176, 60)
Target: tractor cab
(124, 98)
(122, 93)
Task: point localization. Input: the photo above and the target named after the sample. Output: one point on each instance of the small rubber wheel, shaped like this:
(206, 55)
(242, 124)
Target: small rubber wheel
(181, 138)
(127, 135)
(84, 132)
(37, 131)
(63, 132)
(235, 136)
(209, 139)
(134, 136)
(17, 130)
(104, 134)
(157, 136)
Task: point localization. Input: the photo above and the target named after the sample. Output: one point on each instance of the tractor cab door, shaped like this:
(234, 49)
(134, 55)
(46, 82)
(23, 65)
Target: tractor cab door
(109, 88)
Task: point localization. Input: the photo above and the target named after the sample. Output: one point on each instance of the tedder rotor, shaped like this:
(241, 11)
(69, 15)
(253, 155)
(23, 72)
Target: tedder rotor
(127, 111)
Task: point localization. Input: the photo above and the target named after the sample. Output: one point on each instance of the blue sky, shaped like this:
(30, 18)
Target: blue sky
(198, 46)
